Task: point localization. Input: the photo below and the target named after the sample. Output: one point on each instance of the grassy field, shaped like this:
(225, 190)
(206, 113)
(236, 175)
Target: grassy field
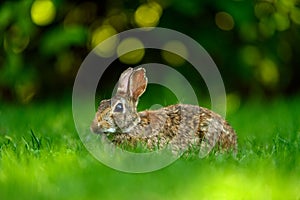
(42, 157)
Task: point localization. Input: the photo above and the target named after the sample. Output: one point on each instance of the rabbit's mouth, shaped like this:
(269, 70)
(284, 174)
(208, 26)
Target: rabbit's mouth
(102, 127)
(109, 130)
(103, 131)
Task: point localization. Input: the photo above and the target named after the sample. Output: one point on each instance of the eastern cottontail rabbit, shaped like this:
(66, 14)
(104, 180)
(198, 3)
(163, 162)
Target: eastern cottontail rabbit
(181, 126)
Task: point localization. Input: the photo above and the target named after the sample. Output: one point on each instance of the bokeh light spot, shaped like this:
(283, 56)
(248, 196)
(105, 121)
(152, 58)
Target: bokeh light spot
(131, 57)
(107, 48)
(15, 40)
(43, 12)
(295, 15)
(172, 58)
(250, 55)
(65, 62)
(264, 9)
(25, 91)
(267, 27)
(118, 20)
(148, 15)
(286, 4)
(233, 102)
(268, 73)
(224, 21)
(282, 21)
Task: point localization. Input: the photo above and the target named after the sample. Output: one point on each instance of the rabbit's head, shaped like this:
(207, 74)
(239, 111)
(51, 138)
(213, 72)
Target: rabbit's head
(119, 114)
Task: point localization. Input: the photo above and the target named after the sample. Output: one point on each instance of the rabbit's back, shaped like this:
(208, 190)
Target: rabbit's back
(182, 126)
(197, 127)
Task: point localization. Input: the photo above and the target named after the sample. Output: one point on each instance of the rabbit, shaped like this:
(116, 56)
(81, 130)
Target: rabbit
(180, 127)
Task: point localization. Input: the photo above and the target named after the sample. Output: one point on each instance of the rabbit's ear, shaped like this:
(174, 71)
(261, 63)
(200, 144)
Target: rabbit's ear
(137, 84)
(124, 81)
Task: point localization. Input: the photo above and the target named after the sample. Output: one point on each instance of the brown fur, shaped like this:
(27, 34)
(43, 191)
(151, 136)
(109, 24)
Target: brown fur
(179, 126)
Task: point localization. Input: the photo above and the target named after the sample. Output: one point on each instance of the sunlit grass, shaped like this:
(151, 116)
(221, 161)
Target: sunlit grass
(41, 157)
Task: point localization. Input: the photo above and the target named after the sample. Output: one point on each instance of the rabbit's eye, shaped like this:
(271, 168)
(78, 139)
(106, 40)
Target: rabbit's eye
(119, 107)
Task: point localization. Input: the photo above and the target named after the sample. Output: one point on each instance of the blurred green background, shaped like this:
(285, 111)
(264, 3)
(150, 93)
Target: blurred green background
(253, 43)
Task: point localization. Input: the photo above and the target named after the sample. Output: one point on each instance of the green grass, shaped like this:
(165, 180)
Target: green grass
(42, 157)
